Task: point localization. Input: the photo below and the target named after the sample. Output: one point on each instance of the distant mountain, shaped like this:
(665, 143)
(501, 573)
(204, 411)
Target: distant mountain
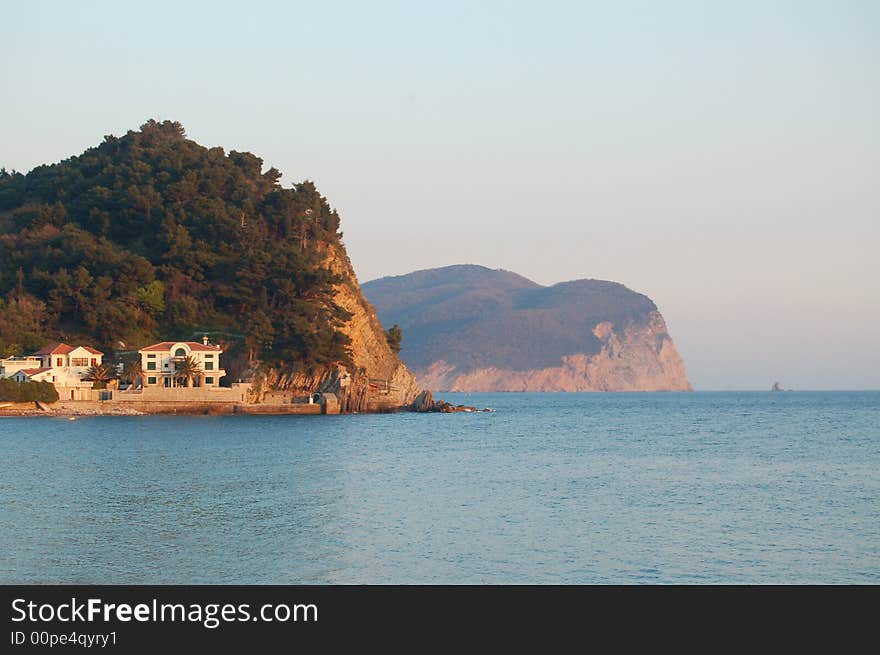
(471, 328)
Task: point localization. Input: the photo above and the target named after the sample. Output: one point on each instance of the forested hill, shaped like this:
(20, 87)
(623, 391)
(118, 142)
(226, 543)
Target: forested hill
(151, 236)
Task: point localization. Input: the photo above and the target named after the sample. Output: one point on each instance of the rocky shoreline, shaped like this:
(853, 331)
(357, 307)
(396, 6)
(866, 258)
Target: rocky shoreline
(424, 403)
(84, 408)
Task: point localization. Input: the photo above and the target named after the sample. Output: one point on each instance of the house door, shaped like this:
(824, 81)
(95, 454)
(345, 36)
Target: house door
(72, 392)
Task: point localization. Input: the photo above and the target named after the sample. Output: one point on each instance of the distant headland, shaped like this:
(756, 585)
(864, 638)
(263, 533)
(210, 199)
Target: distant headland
(471, 328)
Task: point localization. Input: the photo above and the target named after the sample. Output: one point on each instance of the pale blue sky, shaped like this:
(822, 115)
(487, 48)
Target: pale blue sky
(722, 158)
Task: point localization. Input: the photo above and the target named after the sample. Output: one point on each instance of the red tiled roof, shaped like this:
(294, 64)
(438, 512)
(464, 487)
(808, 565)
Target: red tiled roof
(162, 345)
(30, 372)
(64, 349)
(55, 349)
(202, 347)
(168, 345)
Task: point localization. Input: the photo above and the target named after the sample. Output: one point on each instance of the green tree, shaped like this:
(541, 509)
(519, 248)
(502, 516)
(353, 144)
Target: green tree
(12, 391)
(394, 335)
(100, 375)
(133, 371)
(22, 324)
(152, 296)
(186, 370)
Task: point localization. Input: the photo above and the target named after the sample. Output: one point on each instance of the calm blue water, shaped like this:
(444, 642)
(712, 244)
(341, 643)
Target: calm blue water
(551, 488)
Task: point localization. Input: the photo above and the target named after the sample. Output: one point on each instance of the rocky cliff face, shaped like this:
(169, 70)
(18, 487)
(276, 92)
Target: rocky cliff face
(468, 328)
(379, 380)
(633, 358)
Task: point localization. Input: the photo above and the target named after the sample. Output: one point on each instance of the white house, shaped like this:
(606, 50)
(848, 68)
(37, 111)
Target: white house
(63, 365)
(10, 365)
(33, 375)
(60, 355)
(159, 363)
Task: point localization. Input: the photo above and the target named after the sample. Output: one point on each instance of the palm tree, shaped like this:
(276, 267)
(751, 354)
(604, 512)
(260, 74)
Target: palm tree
(187, 369)
(133, 371)
(100, 375)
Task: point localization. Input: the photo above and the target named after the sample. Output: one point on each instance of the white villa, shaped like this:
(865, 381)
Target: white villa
(66, 367)
(159, 362)
(9, 366)
(63, 365)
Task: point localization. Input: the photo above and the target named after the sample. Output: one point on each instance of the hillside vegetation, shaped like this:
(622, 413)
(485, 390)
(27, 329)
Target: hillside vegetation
(151, 236)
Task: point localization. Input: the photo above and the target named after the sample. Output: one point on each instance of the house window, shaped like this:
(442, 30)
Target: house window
(81, 361)
(94, 362)
(53, 378)
(209, 380)
(151, 366)
(151, 380)
(151, 357)
(180, 352)
(209, 356)
(209, 366)
(59, 361)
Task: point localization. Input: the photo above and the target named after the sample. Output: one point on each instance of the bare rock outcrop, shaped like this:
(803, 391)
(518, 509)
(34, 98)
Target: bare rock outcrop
(378, 381)
(634, 358)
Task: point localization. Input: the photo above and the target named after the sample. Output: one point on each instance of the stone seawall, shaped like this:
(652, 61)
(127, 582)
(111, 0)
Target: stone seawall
(170, 407)
(298, 409)
(238, 393)
(182, 407)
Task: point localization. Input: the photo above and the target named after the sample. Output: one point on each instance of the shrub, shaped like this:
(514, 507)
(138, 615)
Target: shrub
(22, 392)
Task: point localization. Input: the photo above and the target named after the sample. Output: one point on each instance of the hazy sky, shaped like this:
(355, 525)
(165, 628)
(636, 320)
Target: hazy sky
(721, 157)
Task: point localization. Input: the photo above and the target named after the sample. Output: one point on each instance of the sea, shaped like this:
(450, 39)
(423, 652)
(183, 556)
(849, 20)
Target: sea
(618, 488)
